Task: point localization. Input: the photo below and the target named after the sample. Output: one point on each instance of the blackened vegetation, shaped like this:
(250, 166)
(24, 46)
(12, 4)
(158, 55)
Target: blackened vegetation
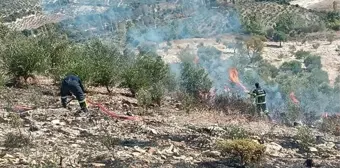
(233, 103)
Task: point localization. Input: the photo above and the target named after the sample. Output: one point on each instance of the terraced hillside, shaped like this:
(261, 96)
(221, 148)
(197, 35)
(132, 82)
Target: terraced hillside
(16, 9)
(269, 12)
(10, 10)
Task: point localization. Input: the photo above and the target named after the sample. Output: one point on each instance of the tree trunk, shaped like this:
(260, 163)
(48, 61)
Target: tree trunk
(108, 89)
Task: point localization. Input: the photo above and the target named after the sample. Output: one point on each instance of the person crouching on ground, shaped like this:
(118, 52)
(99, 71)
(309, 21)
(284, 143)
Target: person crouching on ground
(72, 85)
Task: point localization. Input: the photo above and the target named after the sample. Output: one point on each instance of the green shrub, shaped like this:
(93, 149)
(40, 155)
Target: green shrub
(255, 44)
(208, 53)
(312, 61)
(16, 140)
(267, 70)
(301, 54)
(293, 112)
(293, 66)
(253, 25)
(77, 64)
(280, 36)
(104, 62)
(289, 83)
(194, 79)
(317, 77)
(144, 98)
(316, 45)
(246, 150)
(305, 137)
(186, 56)
(337, 80)
(147, 72)
(330, 37)
(23, 57)
(56, 49)
(285, 23)
(236, 132)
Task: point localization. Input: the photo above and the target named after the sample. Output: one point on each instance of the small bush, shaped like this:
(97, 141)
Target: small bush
(317, 77)
(330, 124)
(316, 45)
(194, 80)
(280, 36)
(255, 44)
(301, 54)
(23, 57)
(267, 70)
(293, 113)
(16, 141)
(292, 48)
(187, 101)
(246, 150)
(147, 72)
(218, 40)
(208, 53)
(186, 56)
(305, 137)
(104, 63)
(330, 38)
(312, 62)
(77, 64)
(293, 66)
(233, 103)
(236, 132)
(109, 142)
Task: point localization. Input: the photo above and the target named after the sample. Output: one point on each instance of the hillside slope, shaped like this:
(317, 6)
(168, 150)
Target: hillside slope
(167, 138)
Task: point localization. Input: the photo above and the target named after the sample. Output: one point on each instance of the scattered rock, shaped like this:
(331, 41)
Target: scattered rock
(138, 149)
(33, 162)
(8, 156)
(170, 149)
(213, 154)
(55, 122)
(152, 150)
(313, 149)
(98, 164)
(23, 161)
(136, 154)
(75, 146)
(180, 158)
(337, 146)
(274, 149)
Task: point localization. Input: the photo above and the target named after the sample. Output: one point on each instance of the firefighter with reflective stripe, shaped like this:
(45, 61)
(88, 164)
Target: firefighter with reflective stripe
(72, 85)
(260, 99)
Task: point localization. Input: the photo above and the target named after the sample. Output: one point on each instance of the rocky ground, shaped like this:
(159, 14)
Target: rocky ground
(50, 136)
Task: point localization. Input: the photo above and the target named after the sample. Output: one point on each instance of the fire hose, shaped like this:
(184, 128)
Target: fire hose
(106, 111)
(111, 113)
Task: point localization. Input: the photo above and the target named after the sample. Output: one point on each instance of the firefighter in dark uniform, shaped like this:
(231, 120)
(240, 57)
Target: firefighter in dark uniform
(72, 85)
(260, 99)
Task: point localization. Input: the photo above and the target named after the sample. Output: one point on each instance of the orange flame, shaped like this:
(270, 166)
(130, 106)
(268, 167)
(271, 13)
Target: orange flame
(233, 76)
(293, 98)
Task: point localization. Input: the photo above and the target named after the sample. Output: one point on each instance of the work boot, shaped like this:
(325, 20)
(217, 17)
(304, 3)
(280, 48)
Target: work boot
(85, 110)
(83, 107)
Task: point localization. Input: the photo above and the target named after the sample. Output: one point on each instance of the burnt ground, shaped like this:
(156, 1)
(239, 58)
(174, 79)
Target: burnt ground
(51, 136)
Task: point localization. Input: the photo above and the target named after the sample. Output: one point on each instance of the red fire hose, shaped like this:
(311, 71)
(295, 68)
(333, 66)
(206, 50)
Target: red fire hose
(110, 113)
